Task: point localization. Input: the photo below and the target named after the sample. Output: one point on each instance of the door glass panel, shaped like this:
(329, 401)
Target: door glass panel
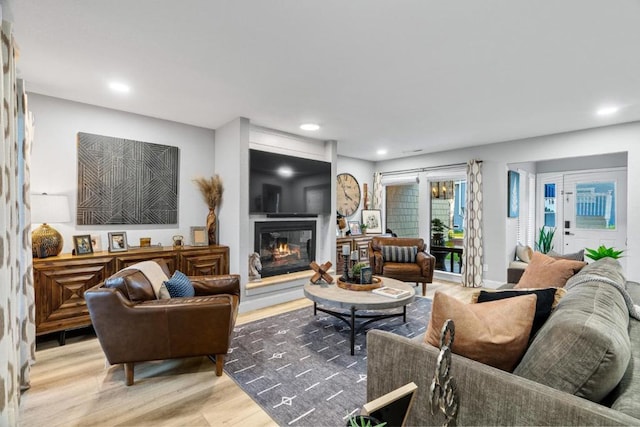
(550, 205)
(596, 205)
(448, 205)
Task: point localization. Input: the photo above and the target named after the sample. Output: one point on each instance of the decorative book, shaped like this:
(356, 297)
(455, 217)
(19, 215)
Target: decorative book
(391, 292)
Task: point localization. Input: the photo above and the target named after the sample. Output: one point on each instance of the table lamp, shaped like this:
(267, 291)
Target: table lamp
(45, 240)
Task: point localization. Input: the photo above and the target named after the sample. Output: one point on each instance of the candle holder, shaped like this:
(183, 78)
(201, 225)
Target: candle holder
(345, 274)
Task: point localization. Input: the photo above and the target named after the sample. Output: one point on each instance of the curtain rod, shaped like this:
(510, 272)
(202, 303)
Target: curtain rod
(426, 169)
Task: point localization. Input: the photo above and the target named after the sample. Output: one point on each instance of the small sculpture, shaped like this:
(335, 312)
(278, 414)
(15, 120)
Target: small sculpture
(255, 267)
(321, 272)
(443, 392)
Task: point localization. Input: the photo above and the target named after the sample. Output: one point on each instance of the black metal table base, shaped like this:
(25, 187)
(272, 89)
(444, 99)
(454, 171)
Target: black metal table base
(350, 319)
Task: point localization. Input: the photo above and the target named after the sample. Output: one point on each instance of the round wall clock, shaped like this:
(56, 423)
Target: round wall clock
(348, 194)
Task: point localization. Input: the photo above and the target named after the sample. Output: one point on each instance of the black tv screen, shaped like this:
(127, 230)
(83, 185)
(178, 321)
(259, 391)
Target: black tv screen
(287, 185)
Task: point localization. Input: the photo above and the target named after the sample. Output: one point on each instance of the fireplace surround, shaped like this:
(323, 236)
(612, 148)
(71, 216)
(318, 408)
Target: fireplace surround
(285, 246)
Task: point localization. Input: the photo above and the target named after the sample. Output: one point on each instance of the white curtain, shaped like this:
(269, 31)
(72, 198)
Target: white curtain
(377, 191)
(17, 309)
(472, 252)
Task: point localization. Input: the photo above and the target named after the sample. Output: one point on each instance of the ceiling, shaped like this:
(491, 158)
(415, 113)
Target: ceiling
(409, 76)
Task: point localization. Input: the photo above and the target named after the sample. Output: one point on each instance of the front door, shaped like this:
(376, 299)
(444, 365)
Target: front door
(595, 210)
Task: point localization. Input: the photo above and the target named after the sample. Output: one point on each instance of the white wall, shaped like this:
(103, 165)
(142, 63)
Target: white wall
(496, 157)
(54, 161)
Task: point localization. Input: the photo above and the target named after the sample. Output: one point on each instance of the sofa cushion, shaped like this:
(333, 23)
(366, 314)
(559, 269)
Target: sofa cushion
(544, 272)
(547, 299)
(576, 256)
(494, 333)
(584, 346)
(179, 286)
(524, 253)
(399, 253)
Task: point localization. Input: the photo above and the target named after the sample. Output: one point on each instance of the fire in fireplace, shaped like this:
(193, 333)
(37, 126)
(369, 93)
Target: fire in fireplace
(285, 246)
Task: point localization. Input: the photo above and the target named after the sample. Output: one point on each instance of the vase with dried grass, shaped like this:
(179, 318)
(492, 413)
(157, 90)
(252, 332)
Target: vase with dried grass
(211, 190)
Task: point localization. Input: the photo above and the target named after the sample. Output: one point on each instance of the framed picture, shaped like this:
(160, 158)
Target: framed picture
(118, 241)
(96, 242)
(199, 236)
(373, 220)
(393, 407)
(513, 191)
(82, 244)
(354, 227)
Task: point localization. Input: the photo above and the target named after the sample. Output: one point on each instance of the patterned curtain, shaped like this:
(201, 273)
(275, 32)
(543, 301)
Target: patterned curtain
(377, 191)
(17, 310)
(472, 254)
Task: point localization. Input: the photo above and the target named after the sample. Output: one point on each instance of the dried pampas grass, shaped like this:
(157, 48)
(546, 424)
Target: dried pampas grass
(211, 189)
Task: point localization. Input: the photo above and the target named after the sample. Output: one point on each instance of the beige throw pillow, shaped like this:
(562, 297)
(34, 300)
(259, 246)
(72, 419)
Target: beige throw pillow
(524, 253)
(494, 333)
(546, 272)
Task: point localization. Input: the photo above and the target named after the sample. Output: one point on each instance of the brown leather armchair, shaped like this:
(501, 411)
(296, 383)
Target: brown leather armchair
(133, 326)
(420, 271)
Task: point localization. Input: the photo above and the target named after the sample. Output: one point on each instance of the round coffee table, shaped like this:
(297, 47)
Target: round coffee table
(333, 298)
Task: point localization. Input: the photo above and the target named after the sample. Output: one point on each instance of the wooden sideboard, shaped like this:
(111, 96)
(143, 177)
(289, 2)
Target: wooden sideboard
(60, 281)
(358, 243)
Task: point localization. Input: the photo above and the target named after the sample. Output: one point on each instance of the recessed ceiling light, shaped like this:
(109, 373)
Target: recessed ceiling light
(382, 152)
(285, 171)
(309, 126)
(607, 111)
(119, 87)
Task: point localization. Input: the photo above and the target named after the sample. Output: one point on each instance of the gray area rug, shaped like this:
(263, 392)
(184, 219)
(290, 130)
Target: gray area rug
(297, 366)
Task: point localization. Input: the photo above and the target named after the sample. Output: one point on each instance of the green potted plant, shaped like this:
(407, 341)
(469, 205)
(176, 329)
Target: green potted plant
(356, 271)
(364, 421)
(544, 243)
(437, 232)
(363, 228)
(602, 252)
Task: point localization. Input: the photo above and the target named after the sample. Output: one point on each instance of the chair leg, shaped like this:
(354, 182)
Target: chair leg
(424, 289)
(128, 373)
(219, 364)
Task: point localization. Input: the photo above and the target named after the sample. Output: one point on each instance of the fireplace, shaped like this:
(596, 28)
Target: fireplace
(285, 246)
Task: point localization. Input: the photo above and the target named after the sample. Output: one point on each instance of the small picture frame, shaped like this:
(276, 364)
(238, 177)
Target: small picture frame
(354, 227)
(373, 220)
(118, 241)
(82, 244)
(199, 236)
(96, 242)
(366, 275)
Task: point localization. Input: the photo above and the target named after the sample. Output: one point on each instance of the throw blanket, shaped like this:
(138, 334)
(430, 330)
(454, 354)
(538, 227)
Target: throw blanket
(634, 309)
(154, 273)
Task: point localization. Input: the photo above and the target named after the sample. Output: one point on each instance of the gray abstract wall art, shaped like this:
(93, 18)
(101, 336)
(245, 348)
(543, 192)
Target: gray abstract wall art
(121, 181)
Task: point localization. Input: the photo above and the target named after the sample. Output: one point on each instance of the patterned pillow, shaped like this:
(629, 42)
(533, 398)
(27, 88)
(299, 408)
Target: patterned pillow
(399, 253)
(179, 285)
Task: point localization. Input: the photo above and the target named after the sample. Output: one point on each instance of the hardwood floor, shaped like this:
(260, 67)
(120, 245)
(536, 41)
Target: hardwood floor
(72, 385)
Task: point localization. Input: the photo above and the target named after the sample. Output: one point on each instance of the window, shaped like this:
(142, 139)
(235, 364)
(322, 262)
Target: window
(448, 204)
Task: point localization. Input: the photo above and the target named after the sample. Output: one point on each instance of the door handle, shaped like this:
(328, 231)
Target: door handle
(568, 233)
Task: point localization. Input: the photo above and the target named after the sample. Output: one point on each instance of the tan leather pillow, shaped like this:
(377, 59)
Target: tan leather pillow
(494, 333)
(546, 272)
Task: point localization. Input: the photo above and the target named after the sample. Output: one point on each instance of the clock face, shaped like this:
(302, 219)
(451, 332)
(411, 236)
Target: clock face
(348, 194)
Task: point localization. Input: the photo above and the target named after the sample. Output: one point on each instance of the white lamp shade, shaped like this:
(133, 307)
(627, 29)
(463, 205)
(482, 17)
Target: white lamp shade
(48, 208)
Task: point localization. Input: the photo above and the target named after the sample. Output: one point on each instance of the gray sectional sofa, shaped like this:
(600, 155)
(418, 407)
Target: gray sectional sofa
(581, 368)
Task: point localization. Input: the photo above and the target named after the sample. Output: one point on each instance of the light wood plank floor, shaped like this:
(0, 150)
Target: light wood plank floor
(72, 385)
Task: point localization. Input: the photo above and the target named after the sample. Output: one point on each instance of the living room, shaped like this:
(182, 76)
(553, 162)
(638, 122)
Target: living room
(206, 150)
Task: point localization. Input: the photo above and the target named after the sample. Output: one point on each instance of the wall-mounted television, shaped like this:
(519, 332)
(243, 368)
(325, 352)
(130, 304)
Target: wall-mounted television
(281, 185)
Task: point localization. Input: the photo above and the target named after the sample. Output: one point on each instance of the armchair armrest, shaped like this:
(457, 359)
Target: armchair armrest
(212, 285)
(427, 263)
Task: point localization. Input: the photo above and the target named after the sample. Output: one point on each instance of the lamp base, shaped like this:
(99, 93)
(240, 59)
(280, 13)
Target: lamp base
(46, 241)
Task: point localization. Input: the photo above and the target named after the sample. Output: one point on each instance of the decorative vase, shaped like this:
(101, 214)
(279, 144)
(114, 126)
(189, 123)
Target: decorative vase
(212, 226)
